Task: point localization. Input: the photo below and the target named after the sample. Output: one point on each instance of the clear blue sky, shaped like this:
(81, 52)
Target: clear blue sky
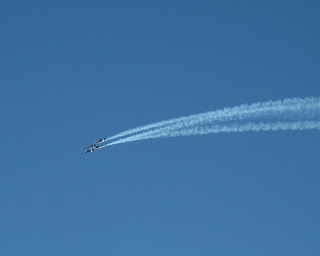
(75, 71)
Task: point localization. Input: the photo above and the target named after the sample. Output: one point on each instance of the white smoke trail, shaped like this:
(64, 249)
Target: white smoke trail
(223, 113)
(246, 127)
(289, 114)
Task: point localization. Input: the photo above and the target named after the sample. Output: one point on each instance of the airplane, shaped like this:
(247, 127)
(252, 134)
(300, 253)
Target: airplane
(89, 150)
(101, 140)
(96, 142)
(92, 149)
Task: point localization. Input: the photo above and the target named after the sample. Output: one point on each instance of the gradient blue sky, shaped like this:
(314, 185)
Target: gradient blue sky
(76, 71)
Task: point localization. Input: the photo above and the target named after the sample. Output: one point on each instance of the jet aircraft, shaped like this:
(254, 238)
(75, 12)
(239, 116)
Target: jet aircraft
(88, 151)
(96, 142)
(92, 149)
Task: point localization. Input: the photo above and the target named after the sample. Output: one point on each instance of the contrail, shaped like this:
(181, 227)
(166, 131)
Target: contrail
(224, 113)
(288, 114)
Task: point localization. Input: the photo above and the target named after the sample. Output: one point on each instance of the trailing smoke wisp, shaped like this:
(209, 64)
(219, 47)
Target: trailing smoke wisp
(288, 114)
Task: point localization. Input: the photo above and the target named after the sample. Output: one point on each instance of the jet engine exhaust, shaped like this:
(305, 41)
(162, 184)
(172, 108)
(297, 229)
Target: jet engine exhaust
(288, 114)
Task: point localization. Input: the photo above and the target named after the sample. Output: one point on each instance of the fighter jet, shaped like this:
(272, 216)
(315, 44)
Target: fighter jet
(92, 149)
(100, 140)
(96, 142)
(88, 151)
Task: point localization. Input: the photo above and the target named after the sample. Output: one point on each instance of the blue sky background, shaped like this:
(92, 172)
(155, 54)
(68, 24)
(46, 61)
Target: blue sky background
(75, 71)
